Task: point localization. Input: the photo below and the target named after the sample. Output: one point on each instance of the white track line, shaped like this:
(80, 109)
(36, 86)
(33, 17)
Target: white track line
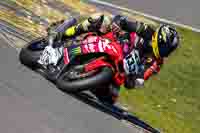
(145, 15)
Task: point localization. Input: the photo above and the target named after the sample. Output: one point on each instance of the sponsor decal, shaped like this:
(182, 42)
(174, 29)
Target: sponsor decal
(76, 51)
(95, 44)
(66, 56)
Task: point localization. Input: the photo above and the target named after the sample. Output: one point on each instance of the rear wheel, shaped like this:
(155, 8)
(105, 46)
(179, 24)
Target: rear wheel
(76, 81)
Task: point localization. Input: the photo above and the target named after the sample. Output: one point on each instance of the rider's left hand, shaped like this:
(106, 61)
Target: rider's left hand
(139, 82)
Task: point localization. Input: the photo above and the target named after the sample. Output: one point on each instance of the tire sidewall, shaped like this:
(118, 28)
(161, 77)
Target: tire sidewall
(30, 57)
(104, 76)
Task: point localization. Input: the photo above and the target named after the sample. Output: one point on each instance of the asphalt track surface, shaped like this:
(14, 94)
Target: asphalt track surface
(182, 11)
(31, 104)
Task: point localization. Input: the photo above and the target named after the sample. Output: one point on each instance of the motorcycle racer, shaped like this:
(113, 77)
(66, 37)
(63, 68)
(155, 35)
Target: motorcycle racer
(158, 42)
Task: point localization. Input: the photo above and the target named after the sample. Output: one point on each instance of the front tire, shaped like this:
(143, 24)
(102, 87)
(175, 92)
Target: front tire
(29, 56)
(102, 77)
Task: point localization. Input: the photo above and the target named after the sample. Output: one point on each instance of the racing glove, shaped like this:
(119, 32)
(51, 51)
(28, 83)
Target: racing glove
(133, 82)
(139, 82)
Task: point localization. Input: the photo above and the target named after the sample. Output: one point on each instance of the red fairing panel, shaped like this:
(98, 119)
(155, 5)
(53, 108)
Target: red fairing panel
(108, 45)
(94, 44)
(95, 64)
(66, 56)
(118, 78)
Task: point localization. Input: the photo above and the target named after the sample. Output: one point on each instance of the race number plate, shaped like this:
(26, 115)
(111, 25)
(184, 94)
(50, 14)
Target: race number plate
(132, 62)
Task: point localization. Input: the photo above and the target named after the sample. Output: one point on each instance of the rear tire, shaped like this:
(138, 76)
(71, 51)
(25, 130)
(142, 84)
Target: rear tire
(102, 77)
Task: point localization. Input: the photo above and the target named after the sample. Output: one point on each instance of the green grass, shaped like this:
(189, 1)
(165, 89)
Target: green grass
(170, 100)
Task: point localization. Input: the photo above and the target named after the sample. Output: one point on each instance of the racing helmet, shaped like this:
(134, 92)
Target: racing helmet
(164, 41)
(101, 21)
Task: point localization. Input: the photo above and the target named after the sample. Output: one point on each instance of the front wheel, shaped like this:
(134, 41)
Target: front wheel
(90, 80)
(30, 54)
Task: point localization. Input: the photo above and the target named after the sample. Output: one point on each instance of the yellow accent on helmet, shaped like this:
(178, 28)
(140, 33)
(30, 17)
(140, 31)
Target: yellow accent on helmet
(155, 44)
(164, 35)
(70, 32)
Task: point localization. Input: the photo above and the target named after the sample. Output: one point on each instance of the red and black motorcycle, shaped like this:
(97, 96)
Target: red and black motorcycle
(96, 61)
